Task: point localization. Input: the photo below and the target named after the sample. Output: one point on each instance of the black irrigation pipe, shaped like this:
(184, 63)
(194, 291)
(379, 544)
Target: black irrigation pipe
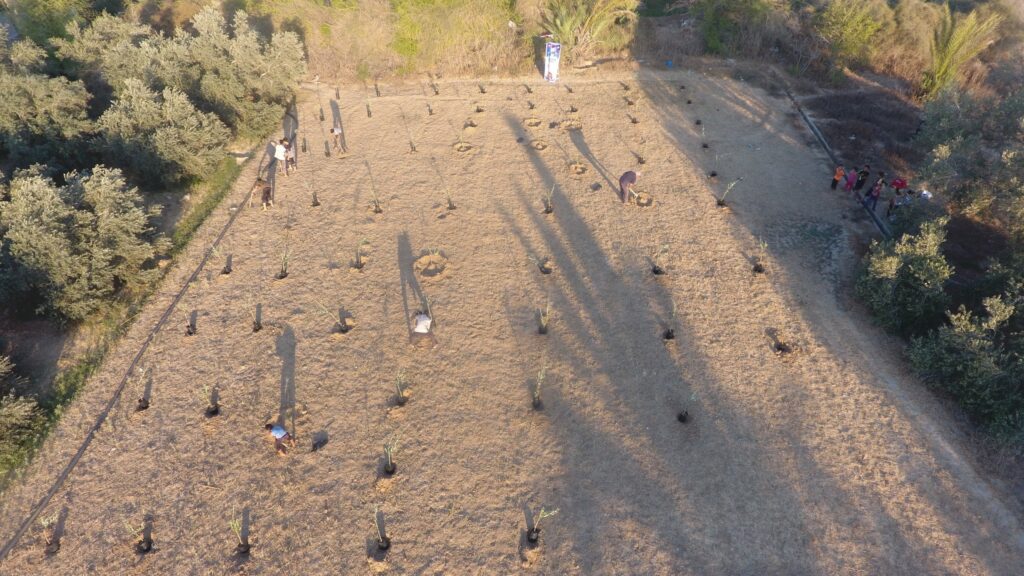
(116, 397)
(882, 226)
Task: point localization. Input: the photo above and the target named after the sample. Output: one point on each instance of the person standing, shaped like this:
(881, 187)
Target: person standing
(862, 177)
(626, 183)
(839, 174)
(873, 195)
(851, 179)
(291, 161)
(336, 137)
(281, 156)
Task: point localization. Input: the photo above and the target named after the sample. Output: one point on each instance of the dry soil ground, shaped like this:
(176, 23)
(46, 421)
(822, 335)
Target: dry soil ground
(828, 460)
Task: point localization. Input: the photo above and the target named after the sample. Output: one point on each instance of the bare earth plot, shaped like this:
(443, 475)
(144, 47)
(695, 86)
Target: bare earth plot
(826, 460)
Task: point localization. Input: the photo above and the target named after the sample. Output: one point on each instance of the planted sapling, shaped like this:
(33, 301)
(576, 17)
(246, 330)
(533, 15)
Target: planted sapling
(52, 526)
(383, 542)
(400, 395)
(537, 401)
(533, 534)
(720, 200)
(190, 324)
(390, 448)
(227, 269)
(285, 256)
(549, 200)
(543, 264)
(241, 535)
(257, 318)
(316, 201)
(449, 199)
(670, 331)
(145, 534)
(212, 396)
(543, 319)
(358, 262)
(656, 267)
(759, 258)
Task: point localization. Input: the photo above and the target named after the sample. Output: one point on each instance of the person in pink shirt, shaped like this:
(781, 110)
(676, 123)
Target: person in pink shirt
(851, 179)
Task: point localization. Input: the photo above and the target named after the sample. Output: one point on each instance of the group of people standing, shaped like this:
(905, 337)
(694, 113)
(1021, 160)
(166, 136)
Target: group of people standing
(856, 178)
(284, 156)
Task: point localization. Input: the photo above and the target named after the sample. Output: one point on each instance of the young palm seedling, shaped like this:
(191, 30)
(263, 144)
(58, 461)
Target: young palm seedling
(190, 323)
(530, 105)
(400, 395)
(549, 200)
(759, 258)
(285, 256)
(358, 262)
(241, 535)
(144, 532)
(212, 396)
(720, 200)
(390, 447)
(529, 90)
(533, 534)
(51, 527)
(543, 264)
(449, 199)
(538, 384)
(383, 542)
(316, 201)
(147, 392)
(656, 267)
(543, 319)
(670, 330)
(227, 269)
(257, 318)
(430, 111)
(342, 322)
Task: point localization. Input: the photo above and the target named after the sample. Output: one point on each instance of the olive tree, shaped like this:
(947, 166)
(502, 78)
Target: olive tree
(161, 138)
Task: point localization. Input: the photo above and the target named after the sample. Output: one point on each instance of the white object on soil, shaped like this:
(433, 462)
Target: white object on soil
(422, 324)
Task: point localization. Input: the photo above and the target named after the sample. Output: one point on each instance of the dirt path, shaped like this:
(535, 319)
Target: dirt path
(828, 460)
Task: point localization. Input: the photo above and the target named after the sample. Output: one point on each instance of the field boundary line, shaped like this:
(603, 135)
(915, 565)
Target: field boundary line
(122, 384)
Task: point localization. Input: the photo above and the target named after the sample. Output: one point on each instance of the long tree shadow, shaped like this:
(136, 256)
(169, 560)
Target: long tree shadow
(599, 303)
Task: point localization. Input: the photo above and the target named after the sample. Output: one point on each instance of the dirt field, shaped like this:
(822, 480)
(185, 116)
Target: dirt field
(826, 460)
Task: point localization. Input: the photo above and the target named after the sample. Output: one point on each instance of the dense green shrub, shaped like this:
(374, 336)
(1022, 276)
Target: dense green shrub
(161, 138)
(902, 281)
(82, 243)
(585, 26)
(21, 421)
(42, 119)
(735, 26)
(848, 27)
(974, 359)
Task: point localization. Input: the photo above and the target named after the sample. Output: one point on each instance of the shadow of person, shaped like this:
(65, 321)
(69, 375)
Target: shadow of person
(285, 349)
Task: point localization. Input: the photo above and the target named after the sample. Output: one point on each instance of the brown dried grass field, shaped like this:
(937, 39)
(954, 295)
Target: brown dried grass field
(827, 460)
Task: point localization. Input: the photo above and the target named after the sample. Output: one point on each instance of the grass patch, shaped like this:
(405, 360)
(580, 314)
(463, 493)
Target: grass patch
(216, 187)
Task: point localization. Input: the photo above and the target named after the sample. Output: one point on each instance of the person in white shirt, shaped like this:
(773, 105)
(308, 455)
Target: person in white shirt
(281, 156)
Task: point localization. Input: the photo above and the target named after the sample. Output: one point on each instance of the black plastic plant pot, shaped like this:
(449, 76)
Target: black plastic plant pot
(713, 174)
(190, 330)
(144, 546)
(256, 327)
(683, 416)
(281, 275)
(537, 404)
(698, 122)
(451, 205)
(383, 543)
(542, 329)
(316, 201)
(549, 209)
(377, 209)
(758, 268)
(657, 270)
(705, 145)
(390, 468)
(243, 549)
(401, 400)
(720, 203)
(212, 410)
(52, 547)
(668, 334)
(143, 404)
(533, 535)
